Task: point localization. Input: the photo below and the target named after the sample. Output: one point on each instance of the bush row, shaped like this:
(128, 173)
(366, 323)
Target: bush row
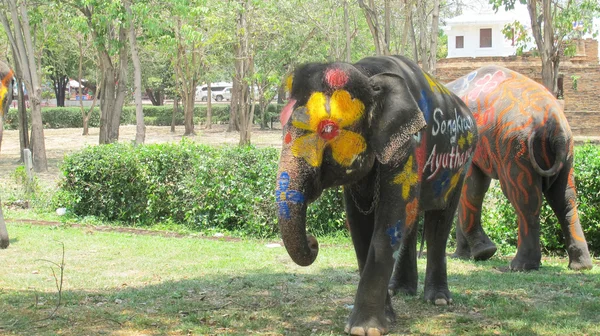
(201, 187)
(70, 117)
(233, 188)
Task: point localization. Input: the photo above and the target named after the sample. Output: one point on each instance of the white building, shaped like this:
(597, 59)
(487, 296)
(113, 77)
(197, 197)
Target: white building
(478, 32)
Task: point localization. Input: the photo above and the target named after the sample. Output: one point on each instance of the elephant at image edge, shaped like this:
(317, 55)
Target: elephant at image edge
(525, 142)
(6, 76)
(361, 126)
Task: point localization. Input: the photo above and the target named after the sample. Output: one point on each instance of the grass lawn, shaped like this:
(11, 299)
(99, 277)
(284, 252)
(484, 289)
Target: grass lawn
(131, 284)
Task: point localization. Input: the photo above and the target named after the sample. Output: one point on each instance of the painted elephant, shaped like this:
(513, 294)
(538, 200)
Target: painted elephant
(6, 76)
(398, 142)
(525, 142)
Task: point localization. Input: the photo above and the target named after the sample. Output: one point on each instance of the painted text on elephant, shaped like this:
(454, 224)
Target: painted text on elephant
(453, 160)
(451, 127)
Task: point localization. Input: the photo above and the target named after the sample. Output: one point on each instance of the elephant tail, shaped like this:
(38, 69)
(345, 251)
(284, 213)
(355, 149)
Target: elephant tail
(561, 154)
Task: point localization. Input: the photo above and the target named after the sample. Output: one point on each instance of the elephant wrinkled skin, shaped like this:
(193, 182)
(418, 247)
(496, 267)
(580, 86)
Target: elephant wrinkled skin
(399, 143)
(525, 142)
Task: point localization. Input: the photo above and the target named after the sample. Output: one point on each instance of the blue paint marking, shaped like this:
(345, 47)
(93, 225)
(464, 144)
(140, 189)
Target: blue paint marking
(395, 233)
(463, 84)
(284, 195)
(425, 105)
(442, 183)
(471, 76)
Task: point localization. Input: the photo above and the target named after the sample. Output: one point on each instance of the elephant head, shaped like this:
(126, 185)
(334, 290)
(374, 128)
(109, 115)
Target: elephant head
(338, 124)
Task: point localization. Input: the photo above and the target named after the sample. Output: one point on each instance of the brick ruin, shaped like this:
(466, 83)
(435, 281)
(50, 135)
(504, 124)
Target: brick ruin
(580, 81)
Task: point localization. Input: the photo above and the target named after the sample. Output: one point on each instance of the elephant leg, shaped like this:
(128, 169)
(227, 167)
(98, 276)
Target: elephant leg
(361, 228)
(471, 240)
(373, 311)
(437, 229)
(527, 202)
(405, 276)
(562, 198)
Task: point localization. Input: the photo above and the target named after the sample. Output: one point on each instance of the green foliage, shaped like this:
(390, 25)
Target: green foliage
(200, 187)
(500, 221)
(517, 32)
(29, 187)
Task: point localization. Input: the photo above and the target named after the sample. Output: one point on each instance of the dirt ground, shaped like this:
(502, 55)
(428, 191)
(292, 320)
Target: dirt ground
(66, 140)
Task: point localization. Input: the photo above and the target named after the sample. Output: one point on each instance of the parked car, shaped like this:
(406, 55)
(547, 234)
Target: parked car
(217, 91)
(223, 95)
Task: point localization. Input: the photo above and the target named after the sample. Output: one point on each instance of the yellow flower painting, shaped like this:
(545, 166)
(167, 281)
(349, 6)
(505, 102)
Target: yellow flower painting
(327, 119)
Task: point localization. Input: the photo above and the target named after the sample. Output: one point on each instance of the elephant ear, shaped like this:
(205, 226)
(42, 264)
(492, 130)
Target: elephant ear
(395, 119)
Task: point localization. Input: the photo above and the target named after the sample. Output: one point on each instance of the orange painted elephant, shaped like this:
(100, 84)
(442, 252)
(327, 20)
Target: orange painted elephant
(525, 142)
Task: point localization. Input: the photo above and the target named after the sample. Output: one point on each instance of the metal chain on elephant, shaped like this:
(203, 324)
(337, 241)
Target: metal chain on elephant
(375, 196)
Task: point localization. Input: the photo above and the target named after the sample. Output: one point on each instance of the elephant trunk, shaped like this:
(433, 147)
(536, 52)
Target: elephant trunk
(302, 248)
(296, 187)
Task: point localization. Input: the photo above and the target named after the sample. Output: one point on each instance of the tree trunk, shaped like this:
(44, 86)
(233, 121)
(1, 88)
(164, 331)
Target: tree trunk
(543, 34)
(174, 115)
(140, 130)
(387, 27)
(156, 96)
(407, 26)
(59, 83)
(413, 38)
(347, 31)
(281, 93)
(423, 36)
(435, 20)
(371, 16)
(23, 124)
(22, 45)
(244, 68)
(208, 106)
(188, 106)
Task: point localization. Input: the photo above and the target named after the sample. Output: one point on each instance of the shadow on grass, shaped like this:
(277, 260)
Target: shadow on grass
(486, 302)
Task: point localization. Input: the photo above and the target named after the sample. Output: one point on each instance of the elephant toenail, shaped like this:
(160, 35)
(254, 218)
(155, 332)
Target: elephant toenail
(374, 332)
(441, 302)
(357, 331)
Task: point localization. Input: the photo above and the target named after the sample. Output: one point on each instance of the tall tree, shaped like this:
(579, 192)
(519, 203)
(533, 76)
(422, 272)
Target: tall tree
(21, 42)
(552, 29)
(107, 25)
(140, 131)
(428, 32)
(380, 34)
(244, 68)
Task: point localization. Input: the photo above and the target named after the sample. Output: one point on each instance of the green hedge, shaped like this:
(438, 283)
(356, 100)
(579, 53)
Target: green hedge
(201, 187)
(70, 117)
(500, 220)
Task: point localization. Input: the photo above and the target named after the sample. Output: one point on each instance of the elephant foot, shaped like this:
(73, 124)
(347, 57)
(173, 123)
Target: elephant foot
(483, 251)
(367, 326)
(439, 297)
(579, 265)
(396, 287)
(522, 265)
(579, 258)
(461, 254)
